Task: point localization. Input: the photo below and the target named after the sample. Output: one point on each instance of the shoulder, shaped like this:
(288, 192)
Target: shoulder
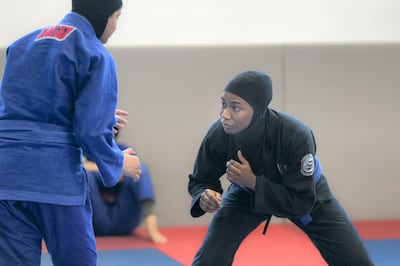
(81, 36)
(288, 122)
(291, 132)
(215, 138)
(216, 131)
(80, 25)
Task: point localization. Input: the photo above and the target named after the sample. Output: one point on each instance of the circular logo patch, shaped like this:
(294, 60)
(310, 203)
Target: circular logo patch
(307, 165)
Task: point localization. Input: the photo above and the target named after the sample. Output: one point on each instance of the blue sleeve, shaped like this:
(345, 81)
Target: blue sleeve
(94, 115)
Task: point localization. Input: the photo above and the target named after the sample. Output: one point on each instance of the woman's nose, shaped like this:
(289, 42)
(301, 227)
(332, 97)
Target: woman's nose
(225, 113)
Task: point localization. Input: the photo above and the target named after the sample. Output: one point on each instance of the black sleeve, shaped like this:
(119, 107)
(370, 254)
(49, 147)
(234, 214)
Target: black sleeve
(209, 166)
(295, 195)
(147, 207)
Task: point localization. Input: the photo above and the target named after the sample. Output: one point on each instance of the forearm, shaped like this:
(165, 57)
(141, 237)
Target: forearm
(90, 166)
(279, 200)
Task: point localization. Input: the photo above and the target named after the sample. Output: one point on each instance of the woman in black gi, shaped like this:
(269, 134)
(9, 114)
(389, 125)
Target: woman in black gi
(269, 158)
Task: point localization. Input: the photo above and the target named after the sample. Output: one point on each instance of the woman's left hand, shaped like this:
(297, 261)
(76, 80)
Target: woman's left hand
(241, 173)
(121, 120)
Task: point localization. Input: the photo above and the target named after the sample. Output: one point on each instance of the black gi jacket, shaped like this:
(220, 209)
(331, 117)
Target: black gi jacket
(275, 147)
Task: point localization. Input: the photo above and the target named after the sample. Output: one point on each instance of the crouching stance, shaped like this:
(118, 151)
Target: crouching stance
(270, 159)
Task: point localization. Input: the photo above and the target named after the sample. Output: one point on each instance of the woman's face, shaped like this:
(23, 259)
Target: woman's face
(111, 26)
(235, 114)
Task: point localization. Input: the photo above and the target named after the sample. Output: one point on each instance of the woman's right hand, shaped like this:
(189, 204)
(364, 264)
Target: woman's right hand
(210, 200)
(131, 164)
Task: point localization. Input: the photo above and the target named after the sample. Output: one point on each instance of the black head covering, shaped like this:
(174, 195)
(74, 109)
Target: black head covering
(254, 87)
(96, 12)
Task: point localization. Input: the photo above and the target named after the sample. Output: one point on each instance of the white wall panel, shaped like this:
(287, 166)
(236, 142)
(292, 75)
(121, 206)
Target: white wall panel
(348, 94)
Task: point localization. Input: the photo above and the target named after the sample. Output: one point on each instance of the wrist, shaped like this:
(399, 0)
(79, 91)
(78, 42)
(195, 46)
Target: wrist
(253, 183)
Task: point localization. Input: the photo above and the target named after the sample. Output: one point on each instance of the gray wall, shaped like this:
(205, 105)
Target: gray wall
(347, 93)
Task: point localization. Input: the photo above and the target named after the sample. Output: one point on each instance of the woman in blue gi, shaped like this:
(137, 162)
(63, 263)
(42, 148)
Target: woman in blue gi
(120, 209)
(270, 159)
(58, 98)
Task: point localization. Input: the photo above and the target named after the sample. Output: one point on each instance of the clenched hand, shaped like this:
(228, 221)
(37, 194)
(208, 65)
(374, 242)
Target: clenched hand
(210, 200)
(241, 173)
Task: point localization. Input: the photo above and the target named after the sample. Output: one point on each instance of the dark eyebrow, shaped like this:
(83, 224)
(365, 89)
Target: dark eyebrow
(236, 103)
(232, 102)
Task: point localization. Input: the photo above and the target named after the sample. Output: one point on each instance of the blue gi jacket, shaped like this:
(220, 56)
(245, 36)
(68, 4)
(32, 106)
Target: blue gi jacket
(58, 96)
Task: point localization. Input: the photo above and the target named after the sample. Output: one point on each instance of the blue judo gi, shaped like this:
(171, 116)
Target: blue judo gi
(58, 96)
(122, 214)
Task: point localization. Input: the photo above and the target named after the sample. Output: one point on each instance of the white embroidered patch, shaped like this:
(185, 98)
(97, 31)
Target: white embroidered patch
(307, 165)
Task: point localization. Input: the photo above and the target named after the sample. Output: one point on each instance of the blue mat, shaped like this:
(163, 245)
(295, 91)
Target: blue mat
(384, 252)
(127, 257)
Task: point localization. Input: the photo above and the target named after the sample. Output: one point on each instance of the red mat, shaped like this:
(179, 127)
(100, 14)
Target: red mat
(284, 244)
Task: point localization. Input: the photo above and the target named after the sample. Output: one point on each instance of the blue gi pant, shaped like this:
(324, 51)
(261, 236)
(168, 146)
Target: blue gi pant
(330, 230)
(125, 214)
(66, 230)
(119, 217)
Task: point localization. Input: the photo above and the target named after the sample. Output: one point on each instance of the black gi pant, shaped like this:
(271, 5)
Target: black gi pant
(331, 231)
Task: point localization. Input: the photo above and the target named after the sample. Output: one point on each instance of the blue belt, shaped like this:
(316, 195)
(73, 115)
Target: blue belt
(37, 131)
(306, 219)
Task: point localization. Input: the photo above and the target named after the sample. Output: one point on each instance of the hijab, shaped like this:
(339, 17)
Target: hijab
(96, 12)
(255, 87)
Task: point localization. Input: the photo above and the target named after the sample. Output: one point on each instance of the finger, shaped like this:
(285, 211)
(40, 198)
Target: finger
(233, 169)
(129, 151)
(230, 176)
(232, 165)
(121, 112)
(208, 207)
(215, 201)
(207, 197)
(209, 201)
(138, 173)
(203, 203)
(241, 157)
(121, 120)
(119, 125)
(219, 196)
